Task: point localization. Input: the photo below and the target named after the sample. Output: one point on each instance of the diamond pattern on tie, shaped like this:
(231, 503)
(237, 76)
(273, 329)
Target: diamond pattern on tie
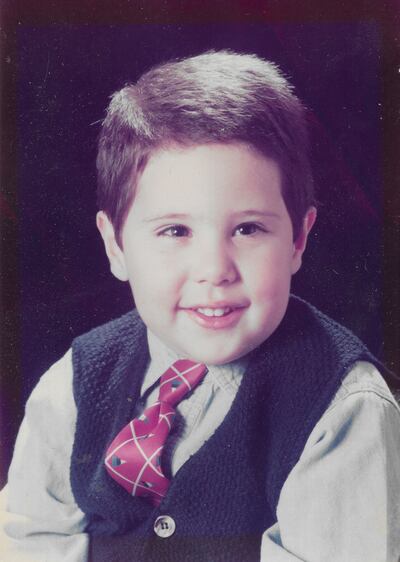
(134, 457)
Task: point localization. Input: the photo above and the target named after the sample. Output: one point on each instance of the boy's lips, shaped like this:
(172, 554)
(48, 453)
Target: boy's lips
(216, 316)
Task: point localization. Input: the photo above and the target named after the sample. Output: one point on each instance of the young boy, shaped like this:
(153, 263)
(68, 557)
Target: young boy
(272, 436)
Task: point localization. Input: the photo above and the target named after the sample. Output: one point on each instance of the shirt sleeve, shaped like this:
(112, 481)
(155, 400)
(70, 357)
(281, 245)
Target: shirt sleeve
(40, 521)
(342, 499)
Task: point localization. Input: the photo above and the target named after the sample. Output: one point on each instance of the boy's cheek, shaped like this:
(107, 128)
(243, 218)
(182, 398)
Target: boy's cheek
(153, 288)
(271, 275)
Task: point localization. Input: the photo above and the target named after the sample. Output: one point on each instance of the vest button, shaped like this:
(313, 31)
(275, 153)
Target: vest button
(164, 526)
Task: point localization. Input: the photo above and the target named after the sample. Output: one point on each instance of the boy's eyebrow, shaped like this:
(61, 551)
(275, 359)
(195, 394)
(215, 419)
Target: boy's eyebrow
(256, 213)
(167, 216)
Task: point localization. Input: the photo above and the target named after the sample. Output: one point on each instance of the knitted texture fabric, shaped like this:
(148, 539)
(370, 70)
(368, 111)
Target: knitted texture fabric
(225, 495)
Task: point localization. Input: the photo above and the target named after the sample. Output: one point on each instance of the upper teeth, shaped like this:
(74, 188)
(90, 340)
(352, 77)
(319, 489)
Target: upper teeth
(214, 311)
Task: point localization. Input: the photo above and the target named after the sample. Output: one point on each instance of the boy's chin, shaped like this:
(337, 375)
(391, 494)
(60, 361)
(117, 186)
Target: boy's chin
(219, 357)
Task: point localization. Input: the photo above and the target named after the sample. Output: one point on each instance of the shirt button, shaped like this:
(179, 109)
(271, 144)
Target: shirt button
(164, 526)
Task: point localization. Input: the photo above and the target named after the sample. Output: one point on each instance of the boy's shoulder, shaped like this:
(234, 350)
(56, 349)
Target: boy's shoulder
(312, 328)
(112, 335)
(109, 348)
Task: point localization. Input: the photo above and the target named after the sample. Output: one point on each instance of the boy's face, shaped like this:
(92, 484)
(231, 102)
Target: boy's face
(208, 250)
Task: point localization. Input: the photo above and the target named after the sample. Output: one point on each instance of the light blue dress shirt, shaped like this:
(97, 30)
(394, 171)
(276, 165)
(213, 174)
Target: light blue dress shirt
(340, 503)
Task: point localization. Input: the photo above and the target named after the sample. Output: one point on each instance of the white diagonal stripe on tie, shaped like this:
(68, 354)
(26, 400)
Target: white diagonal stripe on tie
(146, 458)
(147, 463)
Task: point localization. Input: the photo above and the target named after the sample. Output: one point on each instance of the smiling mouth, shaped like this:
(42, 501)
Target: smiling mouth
(214, 312)
(216, 318)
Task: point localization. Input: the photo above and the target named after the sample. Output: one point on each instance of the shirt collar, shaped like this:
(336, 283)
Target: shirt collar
(227, 377)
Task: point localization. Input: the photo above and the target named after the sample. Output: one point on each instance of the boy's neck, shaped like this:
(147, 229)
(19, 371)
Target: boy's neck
(162, 357)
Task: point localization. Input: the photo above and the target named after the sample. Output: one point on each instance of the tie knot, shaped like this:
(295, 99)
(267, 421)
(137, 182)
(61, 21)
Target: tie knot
(179, 379)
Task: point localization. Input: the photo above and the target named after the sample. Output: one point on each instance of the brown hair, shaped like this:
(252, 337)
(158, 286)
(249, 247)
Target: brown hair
(222, 97)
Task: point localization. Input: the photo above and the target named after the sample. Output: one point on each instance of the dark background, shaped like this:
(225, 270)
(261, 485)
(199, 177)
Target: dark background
(58, 71)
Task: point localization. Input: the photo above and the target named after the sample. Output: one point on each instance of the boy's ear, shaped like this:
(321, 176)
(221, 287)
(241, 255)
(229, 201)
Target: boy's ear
(114, 252)
(300, 243)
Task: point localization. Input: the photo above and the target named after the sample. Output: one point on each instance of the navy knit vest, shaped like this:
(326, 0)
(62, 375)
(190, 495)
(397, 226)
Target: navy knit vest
(225, 495)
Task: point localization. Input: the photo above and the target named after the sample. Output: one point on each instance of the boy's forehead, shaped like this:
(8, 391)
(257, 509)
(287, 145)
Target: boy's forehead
(217, 160)
(209, 176)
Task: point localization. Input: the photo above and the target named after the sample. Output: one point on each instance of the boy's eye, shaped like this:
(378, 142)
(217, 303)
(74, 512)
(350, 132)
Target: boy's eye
(247, 229)
(175, 231)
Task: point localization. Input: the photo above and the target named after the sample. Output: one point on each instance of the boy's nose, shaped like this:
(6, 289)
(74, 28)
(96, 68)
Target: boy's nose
(216, 266)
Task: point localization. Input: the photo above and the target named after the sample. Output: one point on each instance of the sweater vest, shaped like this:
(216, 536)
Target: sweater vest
(225, 495)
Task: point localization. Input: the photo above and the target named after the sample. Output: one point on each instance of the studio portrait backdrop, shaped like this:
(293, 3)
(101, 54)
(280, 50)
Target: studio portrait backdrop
(65, 75)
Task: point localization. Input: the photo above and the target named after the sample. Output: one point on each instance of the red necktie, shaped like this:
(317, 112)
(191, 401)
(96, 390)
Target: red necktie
(134, 457)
